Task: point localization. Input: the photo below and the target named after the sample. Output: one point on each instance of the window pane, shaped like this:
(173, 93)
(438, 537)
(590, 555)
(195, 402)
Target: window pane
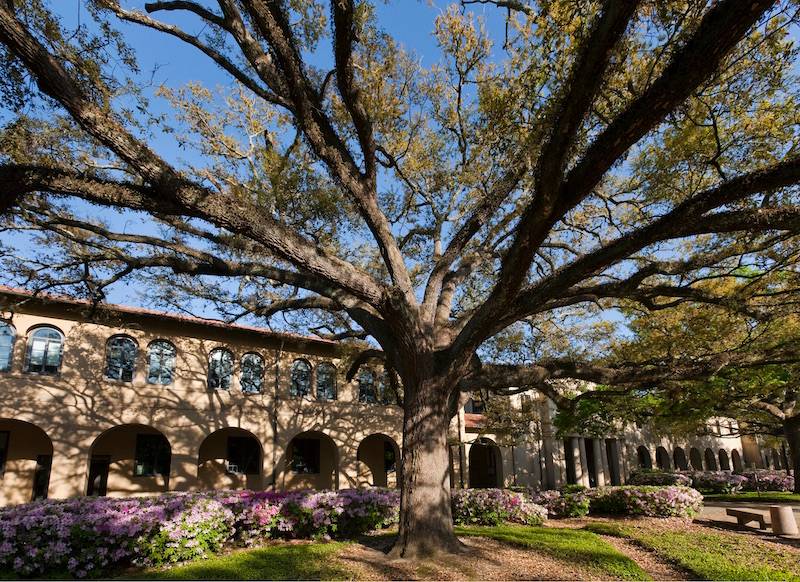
(161, 362)
(44, 351)
(326, 381)
(305, 456)
(252, 377)
(121, 358)
(220, 369)
(300, 379)
(244, 455)
(7, 336)
(366, 386)
(152, 455)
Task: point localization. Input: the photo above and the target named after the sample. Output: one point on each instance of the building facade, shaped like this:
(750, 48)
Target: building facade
(117, 401)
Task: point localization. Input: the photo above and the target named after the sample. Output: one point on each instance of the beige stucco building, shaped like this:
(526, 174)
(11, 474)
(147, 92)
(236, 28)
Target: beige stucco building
(118, 401)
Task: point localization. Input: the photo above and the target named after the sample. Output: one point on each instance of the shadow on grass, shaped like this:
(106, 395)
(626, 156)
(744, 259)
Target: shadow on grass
(579, 547)
(304, 561)
(712, 554)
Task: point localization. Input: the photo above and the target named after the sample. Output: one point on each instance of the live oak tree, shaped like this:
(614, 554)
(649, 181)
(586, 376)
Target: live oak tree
(587, 155)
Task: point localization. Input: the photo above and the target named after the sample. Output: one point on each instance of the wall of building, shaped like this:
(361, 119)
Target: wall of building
(79, 416)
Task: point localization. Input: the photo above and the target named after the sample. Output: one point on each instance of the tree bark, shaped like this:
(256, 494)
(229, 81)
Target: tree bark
(791, 430)
(426, 522)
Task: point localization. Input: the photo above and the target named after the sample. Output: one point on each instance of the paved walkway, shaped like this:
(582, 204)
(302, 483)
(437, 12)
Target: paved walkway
(714, 511)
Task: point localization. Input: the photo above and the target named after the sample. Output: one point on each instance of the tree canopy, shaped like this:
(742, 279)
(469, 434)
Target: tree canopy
(482, 219)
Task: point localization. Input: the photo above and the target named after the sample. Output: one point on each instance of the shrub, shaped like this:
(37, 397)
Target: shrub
(660, 478)
(646, 500)
(717, 481)
(560, 504)
(88, 536)
(493, 507)
(768, 480)
(198, 526)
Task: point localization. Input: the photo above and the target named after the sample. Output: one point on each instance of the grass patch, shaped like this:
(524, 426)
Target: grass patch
(570, 545)
(312, 561)
(755, 497)
(711, 555)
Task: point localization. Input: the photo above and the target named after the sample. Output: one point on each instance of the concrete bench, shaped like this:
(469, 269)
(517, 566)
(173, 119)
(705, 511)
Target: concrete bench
(745, 516)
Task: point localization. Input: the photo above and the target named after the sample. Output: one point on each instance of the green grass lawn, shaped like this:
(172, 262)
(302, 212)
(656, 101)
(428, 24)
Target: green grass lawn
(570, 545)
(311, 561)
(755, 497)
(711, 555)
(317, 561)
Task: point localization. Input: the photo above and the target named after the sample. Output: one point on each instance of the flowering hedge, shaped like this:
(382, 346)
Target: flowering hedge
(717, 481)
(89, 535)
(660, 478)
(650, 501)
(495, 506)
(768, 480)
(562, 504)
(646, 500)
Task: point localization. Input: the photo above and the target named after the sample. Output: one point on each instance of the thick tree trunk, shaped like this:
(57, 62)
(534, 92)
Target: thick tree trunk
(426, 523)
(791, 429)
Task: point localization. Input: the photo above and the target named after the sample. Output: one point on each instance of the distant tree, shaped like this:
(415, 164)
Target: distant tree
(762, 395)
(497, 202)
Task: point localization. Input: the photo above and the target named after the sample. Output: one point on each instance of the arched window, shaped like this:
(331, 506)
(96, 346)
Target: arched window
(385, 391)
(326, 381)
(121, 358)
(161, 362)
(45, 345)
(366, 386)
(300, 379)
(220, 369)
(7, 337)
(252, 374)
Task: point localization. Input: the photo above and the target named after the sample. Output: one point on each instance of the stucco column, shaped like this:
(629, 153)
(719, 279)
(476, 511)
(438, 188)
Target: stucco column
(183, 470)
(600, 462)
(68, 471)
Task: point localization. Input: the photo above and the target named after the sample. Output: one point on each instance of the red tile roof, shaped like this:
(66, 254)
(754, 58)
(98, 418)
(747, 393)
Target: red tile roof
(215, 323)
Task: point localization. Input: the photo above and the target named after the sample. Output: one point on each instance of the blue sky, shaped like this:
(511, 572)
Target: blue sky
(164, 60)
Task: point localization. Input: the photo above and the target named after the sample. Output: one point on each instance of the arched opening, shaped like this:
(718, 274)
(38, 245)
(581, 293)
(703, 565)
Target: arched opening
(485, 464)
(129, 459)
(312, 462)
(736, 459)
(378, 461)
(724, 461)
(679, 456)
(711, 460)
(643, 459)
(230, 458)
(662, 459)
(695, 459)
(26, 453)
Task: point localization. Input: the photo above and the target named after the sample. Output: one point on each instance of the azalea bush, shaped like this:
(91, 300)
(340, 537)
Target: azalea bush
(570, 501)
(767, 480)
(717, 481)
(88, 536)
(646, 500)
(656, 477)
(494, 506)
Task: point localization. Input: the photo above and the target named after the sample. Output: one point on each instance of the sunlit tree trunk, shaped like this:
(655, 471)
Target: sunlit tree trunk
(426, 523)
